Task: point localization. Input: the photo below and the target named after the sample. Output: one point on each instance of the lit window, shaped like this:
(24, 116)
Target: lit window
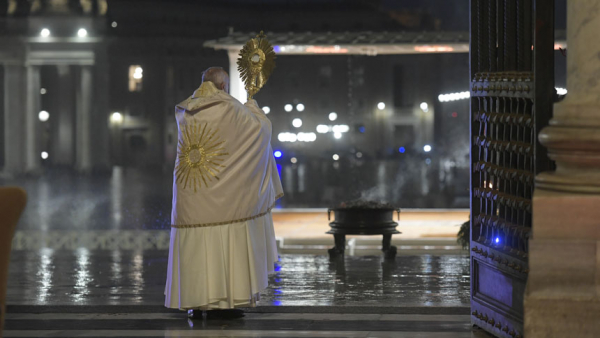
(136, 74)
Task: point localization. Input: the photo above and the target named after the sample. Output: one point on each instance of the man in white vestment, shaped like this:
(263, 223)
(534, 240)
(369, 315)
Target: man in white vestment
(225, 184)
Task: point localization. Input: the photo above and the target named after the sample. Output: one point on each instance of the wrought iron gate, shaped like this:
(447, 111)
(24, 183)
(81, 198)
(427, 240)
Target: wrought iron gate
(512, 90)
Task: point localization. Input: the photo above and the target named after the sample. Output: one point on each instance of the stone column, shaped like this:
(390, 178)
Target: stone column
(32, 122)
(562, 297)
(236, 86)
(63, 120)
(100, 133)
(83, 119)
(14, 118)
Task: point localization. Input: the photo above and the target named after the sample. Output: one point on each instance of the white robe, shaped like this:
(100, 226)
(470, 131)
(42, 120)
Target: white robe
(224, 186)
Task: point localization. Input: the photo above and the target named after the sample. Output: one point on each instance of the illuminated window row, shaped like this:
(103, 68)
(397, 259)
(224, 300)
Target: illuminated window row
(466, 95)
(300, 137)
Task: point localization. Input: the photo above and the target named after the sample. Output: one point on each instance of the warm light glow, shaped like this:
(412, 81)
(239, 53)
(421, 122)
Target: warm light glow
(433, 49)
(293, 160)
(557, 46)
(337, 135)
(266, 109)
(424, 106)
(427, 148)
(45, 33)
(454, 96)
(288, 107)
(135, 78)
(297, 123)
(326, 50)
(300, 107)
(561, 91)
(43, 91)
(44, 155)
(82, 33)
(322, 129)
(381, 106)
(336, 157)
(332, 116)
(43, 116)
(116, 117)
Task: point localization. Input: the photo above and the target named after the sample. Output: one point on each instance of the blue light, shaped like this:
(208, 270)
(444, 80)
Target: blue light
(401, 150)
(278, 154)
(361, 129)
(497, 240)
(276, 49)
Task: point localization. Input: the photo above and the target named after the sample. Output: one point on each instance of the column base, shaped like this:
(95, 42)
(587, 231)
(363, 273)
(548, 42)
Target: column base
(561, 317)
(565, 215)
(562, 297)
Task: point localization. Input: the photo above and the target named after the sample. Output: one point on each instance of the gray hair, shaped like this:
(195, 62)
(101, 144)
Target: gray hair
(216, 75)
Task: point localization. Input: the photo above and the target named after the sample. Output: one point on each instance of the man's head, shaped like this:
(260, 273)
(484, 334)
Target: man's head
(218, 76)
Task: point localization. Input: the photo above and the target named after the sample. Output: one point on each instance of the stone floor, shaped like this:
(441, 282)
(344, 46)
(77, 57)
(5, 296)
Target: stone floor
(101, 293)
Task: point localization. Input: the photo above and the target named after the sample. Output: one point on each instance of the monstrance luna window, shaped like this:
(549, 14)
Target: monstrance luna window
(136, 74)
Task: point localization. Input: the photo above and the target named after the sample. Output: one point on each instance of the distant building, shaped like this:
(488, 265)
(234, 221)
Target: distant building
(108, 74)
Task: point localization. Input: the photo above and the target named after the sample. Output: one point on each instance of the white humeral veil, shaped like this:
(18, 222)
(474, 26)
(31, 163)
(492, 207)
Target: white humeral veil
(225, 184)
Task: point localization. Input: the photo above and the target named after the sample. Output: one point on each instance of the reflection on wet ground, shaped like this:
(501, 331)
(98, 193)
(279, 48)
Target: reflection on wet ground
(129, 199)
(102, 277)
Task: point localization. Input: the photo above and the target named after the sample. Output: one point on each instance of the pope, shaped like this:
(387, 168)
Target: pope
(225, 183)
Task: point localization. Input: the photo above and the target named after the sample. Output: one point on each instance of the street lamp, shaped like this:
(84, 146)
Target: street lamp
(116, 117)
(44, 116)
(381, 106)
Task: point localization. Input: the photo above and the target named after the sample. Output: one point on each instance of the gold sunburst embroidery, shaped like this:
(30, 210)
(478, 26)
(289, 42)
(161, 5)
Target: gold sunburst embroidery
(200, 152)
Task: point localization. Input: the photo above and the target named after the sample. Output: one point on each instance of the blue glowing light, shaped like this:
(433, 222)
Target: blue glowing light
(497, 240)
(361, 129)
(276, 49)
(401, 150)
(278, 154)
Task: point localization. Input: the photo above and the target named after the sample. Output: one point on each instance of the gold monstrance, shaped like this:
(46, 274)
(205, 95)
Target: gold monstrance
(256, 63)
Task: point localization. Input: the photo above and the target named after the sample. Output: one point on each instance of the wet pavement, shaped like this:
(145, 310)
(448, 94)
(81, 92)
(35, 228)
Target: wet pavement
(119, 293)
(124, 278)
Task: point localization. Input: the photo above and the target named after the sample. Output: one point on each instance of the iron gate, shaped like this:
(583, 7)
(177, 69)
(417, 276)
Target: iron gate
(512, 90)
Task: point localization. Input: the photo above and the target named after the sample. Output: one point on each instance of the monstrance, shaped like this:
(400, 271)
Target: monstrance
(256, 63)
